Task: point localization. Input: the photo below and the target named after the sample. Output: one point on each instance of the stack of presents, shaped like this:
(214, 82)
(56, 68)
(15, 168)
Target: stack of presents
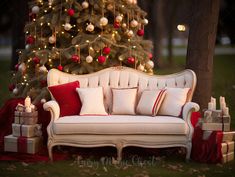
(26, 134)
(219, 121)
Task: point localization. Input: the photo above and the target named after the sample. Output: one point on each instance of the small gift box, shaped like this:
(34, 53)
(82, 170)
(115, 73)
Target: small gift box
(226, 136)
(228, 157)
(215, 116)
(22, 144)
(26, 130)
(216, 126)
(227, 147)
(27, 118)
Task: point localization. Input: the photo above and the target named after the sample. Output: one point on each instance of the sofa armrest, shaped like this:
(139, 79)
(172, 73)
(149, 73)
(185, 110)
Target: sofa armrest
(190, 107)
(54, 109)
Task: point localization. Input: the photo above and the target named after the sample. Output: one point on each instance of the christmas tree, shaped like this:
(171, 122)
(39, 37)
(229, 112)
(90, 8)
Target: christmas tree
(79, 37)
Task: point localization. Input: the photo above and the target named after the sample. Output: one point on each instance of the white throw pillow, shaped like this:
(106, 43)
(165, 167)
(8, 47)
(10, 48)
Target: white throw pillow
(174, 101)
(150, 102)
(92, 101)
(124, 101)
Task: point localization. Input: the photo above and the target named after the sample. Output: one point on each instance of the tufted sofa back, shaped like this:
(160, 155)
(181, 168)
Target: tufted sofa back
(123, 77)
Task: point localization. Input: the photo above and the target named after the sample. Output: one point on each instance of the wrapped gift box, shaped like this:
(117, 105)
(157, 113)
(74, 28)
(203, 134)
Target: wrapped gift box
(26, 130)
(227, 136)
(216, 126)
(228, 157)
(27, 118)
(22, 145)
(215, 116)
(227, 147)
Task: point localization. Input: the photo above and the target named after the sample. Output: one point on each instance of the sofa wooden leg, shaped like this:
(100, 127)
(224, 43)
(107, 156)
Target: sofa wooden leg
(119, 152)
(49, 147)
(188, 148)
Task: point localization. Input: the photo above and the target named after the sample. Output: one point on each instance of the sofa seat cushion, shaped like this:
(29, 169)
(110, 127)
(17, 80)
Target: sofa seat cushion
(120, 124)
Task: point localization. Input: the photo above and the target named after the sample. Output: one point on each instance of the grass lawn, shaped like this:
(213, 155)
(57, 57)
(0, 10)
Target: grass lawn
(172, 165)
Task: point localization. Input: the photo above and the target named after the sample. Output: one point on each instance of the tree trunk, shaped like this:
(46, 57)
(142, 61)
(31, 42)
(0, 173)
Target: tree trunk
(20, 15)
(202, 36)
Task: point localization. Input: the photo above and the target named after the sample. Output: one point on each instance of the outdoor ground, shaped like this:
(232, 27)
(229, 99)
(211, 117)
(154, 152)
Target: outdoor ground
(151, 162)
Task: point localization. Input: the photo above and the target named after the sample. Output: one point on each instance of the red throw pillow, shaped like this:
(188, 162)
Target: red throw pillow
(67, 98)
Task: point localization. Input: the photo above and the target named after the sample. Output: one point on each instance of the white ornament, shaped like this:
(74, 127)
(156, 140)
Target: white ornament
(52, 39)
(35, 10)
(27, 46)
(43, 69)
(134, 23)
(145, 21)
(50, 2)
(129, 1)
(119, 18)
(85, 5)
(134, 1)
(67, 26)
(90, 27)
(15, 91)
(89, 59)
(43, 100)
(22, 67)
(140, 67)
(124, 25)
(130, 33)
(149, 64)
(103, 21)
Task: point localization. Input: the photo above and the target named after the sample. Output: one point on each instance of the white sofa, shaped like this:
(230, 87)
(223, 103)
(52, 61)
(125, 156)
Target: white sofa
(121, 131)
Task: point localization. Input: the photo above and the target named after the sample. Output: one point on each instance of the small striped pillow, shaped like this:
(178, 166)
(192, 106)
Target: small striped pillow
(150, 102)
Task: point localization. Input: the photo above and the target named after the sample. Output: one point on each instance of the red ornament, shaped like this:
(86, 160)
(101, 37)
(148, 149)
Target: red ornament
(17, 67)
(75, 58)
(43, 83)
(150, 56)
(11, 87)
(101, 59)
(131, 60)
(71, 12)
(140, 32)
(36, 60)
(30, 40)
(60, 68)
(106, 50)
(116, 25)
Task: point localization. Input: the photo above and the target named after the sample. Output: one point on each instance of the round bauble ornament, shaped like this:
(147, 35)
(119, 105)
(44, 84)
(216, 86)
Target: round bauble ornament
(130, 33)
(85, 5)
(27, 47)
(145, 21)
(71, 12)
(89, 59)
(67, 26)
(129, 1)
(101, 59)
(17, 67)
(30, 40)
(50, 2)
(75, 58)
(35, 9)
(116, 25)
(11, 87)
(103, 21)
(90, 27)
(60, 67)
(110, 7)
(106, 50)
(52, 39)
(22, 67)
(140, 67)
(43, 69)
(124, 25)
(119, 18)
(131, 60)
(134, 23)
(150, 55)
(36, 60)
(149, 65)
(15, 91)
(140, 32)
(134, 1)
(43, 100)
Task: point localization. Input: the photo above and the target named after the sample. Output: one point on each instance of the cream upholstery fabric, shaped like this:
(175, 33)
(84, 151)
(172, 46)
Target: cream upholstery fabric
(124, 101)
(150, 102)
(117, 124)
(174, 101)
(92, 101)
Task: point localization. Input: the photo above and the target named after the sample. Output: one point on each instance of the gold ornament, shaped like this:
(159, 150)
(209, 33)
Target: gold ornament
(103, 21)
(124, 25)
(130, 33)
(145, 21)
(140, 67)
(119, 19)
(134, 23)
(149, 65)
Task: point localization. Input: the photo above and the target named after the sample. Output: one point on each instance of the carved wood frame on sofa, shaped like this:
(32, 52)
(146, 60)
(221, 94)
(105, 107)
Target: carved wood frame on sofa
(124, 77)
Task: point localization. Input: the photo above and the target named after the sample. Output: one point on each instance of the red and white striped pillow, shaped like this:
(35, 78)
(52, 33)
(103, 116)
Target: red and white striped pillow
(150, 102)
